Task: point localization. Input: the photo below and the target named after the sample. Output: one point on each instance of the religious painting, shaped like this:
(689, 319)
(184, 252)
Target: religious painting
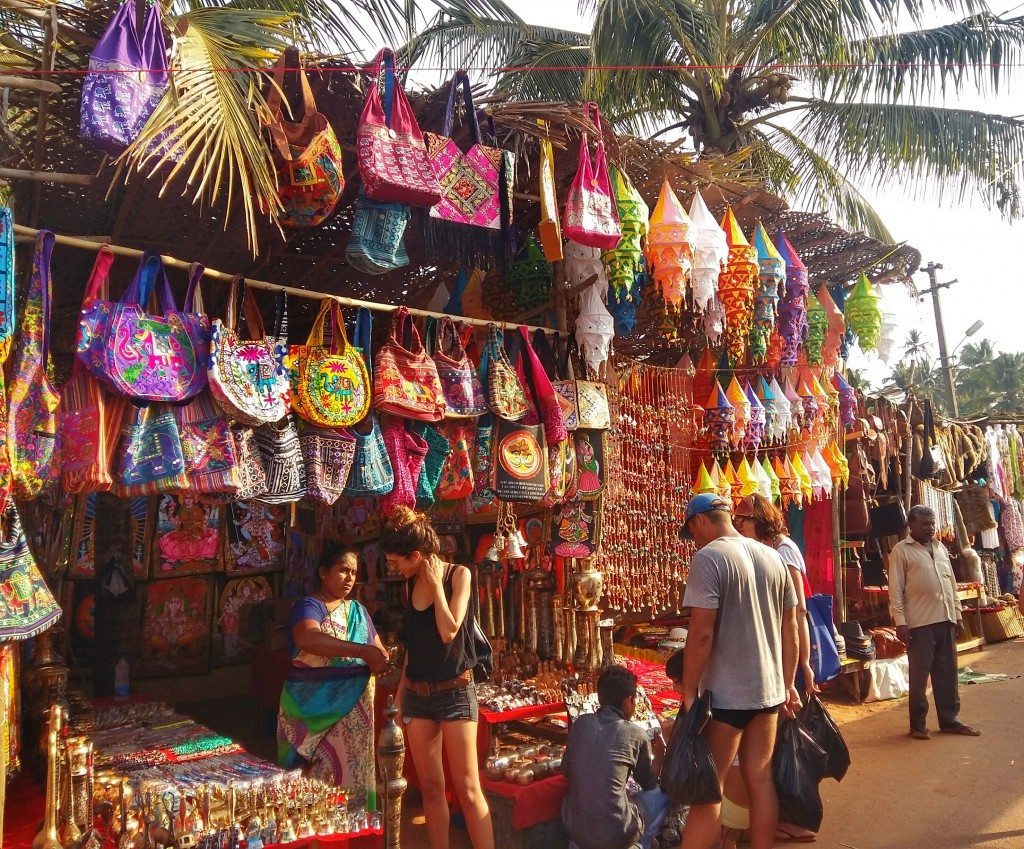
(186, 536)
(83, 540)
(175, 637)
(254, 537)
(576, 529)
(300, 565)
(232, 636)
(590, 464)
(350, 519)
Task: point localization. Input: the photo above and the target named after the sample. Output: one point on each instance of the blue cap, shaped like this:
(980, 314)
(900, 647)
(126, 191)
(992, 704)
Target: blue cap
(703, 502)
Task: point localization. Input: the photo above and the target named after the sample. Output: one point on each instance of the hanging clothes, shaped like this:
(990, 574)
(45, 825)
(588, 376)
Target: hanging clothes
(818, 546)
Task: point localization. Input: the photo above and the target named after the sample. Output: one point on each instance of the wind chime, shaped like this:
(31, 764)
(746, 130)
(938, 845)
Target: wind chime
(771, 277)
(736, 289)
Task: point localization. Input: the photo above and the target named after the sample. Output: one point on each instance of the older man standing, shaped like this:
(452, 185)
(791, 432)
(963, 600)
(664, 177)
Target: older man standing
(926, 612)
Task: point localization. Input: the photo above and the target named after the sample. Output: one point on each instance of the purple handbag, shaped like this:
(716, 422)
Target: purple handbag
(127, 77)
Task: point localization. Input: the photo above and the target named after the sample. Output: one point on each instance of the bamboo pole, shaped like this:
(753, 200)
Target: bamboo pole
(47, 177)
(40, 14)
(28, 234)
(8, 81)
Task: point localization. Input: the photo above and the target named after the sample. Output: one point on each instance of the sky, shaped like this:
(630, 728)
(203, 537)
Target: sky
(974, 246)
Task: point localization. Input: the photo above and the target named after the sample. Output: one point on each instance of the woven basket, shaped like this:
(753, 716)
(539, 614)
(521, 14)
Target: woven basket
(1006, 623)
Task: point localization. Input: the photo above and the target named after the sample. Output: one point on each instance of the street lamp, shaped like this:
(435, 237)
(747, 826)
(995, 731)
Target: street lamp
(974, 328)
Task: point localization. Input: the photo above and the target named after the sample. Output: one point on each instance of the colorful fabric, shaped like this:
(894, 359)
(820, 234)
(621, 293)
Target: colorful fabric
(325, 721)
(7, 289)
(405, 380)
(591, 216)
(27, 606)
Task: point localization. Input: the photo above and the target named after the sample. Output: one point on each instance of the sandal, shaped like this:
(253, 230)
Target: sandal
(794, 834)
(962, 728)
(924, 734)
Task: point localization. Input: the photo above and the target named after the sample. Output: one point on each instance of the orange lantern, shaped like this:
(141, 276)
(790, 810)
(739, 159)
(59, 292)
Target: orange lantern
(736, 287)
(668, 251)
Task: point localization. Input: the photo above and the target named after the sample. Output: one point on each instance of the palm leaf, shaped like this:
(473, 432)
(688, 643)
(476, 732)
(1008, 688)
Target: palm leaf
(561, 74)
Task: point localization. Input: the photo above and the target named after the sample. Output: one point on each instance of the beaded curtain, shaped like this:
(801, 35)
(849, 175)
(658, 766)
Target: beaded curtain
(649, 449)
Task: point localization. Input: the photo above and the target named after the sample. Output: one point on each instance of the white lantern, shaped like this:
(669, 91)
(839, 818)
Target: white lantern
(582, 263)
(595, 327)
(710, 252)
(784, 412)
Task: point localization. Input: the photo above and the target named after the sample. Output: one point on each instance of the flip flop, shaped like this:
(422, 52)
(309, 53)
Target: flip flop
(962, 728)
(789, 837)
(921, 735)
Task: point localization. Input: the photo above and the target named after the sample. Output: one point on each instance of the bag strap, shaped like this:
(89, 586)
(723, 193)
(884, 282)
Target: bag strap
(449, 342)
(152, 275)
(40, 287)
(153, 48)
(274, 101)
(362, 337)
(384, 74)
(545, 353)
(281, 315)
(461, 77)
(430, 343)
(98, 287)
(193, 294)
(398, 324)
(247, 309)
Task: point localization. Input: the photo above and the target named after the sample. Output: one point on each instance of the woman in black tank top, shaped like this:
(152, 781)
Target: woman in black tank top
(437, 697)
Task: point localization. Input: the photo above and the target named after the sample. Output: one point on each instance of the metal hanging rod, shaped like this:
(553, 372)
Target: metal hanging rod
(28, 234)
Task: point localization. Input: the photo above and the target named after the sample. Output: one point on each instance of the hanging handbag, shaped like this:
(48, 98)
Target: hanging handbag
(591, 215)
(592, 409)
(150, 456)
(27, 607)
(407, 451)
(545, 399)
(521, 459)
(576, 529)
(247, 377)
(438, 452)
(506, 397)
(330, 385)
(456, 480)
(328, 456)
(126, 79)
(149, 357)
(590, 464)
(8, 306)
(372, 473)
(278, 445)
(208, 446)
(405, 381)
(32, 436)
(377, 243)
(482, 501)
(251, 476)
(310, 177)
(460, 382)
(392, 155)
(549, 230)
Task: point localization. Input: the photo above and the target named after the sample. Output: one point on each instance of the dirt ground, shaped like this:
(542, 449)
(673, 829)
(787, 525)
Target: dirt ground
(900, 793)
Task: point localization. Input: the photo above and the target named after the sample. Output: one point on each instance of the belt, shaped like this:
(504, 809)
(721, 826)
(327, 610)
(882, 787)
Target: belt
(428, 688)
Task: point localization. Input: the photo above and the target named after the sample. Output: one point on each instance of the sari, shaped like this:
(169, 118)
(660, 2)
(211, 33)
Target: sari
(325, 720)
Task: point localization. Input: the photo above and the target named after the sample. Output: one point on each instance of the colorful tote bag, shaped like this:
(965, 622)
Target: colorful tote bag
(330, 384)
(155, 357)
(506, 397)
(407, 451)
(27, 607)
(591, 216)
(456, 481)
(252, 477)
(392, 155)
(327, 455)
(546, 401)
(127, 77)
(247, 377)
(372, 473)
(405, 380)
(208, 446)
(7, 289)
(460, 382)
(377, 243)
(310, 177)
(32, 435)
(150, 456)
(278, 445)
(438, 452)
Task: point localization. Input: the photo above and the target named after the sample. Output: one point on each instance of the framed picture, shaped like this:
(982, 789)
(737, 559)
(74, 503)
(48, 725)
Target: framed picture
(175, 637)
(590, 464)
(79, 606)
(232, 635)
(300, 565)
(186, 536)
(82, 558)
(576, 529)
(351, 520)
(254, 537)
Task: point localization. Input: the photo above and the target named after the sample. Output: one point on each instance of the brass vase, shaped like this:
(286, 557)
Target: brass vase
(588, 584)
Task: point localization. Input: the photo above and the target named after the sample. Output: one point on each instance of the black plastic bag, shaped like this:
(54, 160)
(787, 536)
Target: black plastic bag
(689, 775)
(798, 765)
(826, 734)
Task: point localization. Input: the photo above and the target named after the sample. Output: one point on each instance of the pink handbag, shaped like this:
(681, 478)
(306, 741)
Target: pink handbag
(591, 214)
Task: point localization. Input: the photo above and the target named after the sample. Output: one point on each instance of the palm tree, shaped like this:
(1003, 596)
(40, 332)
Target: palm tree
(1008, 383)
(817, 97)
(974, 378)
(915, 373)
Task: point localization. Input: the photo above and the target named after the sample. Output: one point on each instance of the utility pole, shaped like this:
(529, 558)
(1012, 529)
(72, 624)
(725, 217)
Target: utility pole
(940, 331)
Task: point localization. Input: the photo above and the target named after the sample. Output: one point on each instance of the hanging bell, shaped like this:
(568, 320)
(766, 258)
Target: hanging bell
(491, 558)
(520, 540)
(514, 551)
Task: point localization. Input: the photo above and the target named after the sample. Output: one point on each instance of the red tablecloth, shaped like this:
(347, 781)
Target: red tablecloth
(535, 803)
(528, 712)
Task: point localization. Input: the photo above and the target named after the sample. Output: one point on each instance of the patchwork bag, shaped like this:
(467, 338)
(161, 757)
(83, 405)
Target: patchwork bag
(278, 446)
(127, 77)
(208, 446)
(482, 501)
(250, 475)
(372, 473)
(150, 457)
(27, 607)
(506, 397)
(460, 382)
(8, 306)
(591, 214)
(310, 177)
(407, 451)
(327, 455)
(392, 156)
(330, 384)
(377, 243)
(456, 480)
(33, 442)
(247, 377)
(405, 380)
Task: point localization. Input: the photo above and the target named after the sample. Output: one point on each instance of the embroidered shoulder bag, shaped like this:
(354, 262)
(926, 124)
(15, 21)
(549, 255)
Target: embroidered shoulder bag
(208, 446)
(310, 177)
(247, 378)
(372, 473)
(392, 155)
(591, 216)
(150, 456)
(327, 455)
(377, 243)
(405, 380)
(27, 607)
(506, 397)
(7, 312)
(250, 474)
(591, 400)
(32, 436)
(463, 392)
(330, 385)
(278, 445)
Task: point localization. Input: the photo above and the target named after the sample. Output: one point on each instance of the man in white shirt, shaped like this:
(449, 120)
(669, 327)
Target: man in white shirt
(924, 607)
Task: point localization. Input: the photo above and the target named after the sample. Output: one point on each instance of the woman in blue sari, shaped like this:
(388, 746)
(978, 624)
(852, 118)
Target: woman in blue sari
(325, 721)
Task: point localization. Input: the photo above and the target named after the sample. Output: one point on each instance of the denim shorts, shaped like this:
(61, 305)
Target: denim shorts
(446, 706)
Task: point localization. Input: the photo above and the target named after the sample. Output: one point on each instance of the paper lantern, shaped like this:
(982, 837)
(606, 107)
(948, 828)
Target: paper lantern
(703, 484)
(796, 406)
(767, 398)
(529, 277)
(623, 305)
(764, 481)
(771, 278)
(887, 340)
(817, 327)
(823, 471)
(839, 295)
(776, 493)
(738, 398)
(704, 377)
(714, 321)
(789, 485)
(625, 260)
(582, 263)
(810, 405)
(595, 326)
(735, 487)
(838, 464)
(721, 481)
(668, 250)
(736, 287)
(847, 401)
(793, 306)
(783, 412)
(754, 436)
(748, 480)
(802, 476)
(719, 420)
(710, 252)
(836, 329)
(864, 313)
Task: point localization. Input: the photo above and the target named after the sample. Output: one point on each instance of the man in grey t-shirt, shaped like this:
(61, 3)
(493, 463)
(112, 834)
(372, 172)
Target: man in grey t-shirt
(742, 645)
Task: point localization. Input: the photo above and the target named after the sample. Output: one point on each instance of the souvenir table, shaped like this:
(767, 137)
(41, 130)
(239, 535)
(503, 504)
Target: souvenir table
(966, 592)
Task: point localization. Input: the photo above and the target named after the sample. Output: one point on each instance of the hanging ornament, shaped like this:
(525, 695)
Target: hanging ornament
(704, 483)
(738, 398)
(529, 277)
(789, 485)
(802, 476)
(864, 313)
(783, 412)
(764, 482)
(624, 261)
(745, 475)
(886, 340)
(773, 359)
(735, 487)
(847, 401)
(582, 263)
(624, 305)
(810, 406)
(721, 481)
(839, 295)
(771, 277)
(719, 420)
(595, 327)
(823, 471)
(775, 493)
(736, 288)
(793, 306)
(817, 327)
(704, 377)
(710, 252)
(838, 464)
(767, 398)
(817, 484)
(668, 250)
(714, 321)
(832, 349)
(754, 436)
(796, 406)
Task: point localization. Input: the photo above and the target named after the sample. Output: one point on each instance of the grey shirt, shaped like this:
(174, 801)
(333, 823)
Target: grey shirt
(750, 587)
(603, 749)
